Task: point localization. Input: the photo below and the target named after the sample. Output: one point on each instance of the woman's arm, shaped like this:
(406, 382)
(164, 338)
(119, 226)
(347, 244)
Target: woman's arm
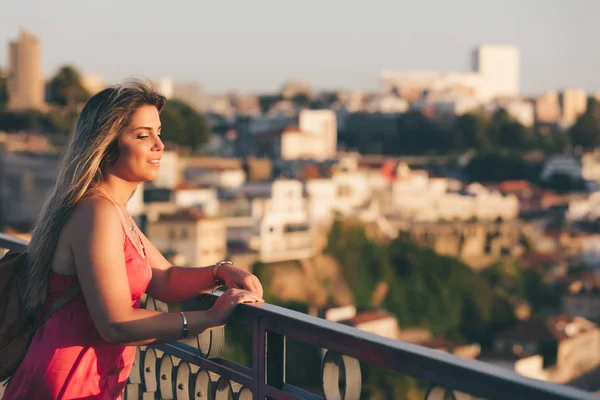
(97, 244)
(173, 284)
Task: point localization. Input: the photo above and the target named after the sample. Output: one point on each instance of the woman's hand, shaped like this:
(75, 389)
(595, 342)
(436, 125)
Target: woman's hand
(237, 278)
(228, 302)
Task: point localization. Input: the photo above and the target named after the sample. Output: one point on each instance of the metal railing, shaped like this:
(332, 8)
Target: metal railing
(195, 369)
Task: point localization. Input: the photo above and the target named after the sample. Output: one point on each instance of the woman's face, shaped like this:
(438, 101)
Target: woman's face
(140, 147)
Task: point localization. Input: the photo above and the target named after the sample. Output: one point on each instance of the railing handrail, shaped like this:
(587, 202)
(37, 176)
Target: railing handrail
(443, 369)
(12, 243)
(470, 376)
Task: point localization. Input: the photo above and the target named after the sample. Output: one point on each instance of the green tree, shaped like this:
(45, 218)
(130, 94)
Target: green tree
(268, 101)
(564, 183)
(471, 132)
(325, 100)
(554, 141)
(30, 120)
(586, 130)
(418, 134)
(183, 125)
(509, 134)
(301, 100)
(500, 119)
(497, 166)
(515, 136)
(432, 291)
(65, 88)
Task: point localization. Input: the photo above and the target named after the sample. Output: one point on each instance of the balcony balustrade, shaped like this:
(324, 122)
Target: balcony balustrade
(194, 368)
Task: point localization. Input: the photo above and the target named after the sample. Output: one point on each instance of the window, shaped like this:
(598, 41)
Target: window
(172, 233)
(184, 233)
(289, 228)
(152, 195)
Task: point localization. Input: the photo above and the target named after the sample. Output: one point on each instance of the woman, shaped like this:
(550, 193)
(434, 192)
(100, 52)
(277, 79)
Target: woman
(86, 349)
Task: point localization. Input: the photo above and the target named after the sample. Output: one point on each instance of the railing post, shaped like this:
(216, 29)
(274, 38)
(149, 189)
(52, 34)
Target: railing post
(275, 359)
(268, 360)
(258, 359)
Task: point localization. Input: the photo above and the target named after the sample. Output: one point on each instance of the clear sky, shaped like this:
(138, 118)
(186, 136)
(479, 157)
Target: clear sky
(255, 45)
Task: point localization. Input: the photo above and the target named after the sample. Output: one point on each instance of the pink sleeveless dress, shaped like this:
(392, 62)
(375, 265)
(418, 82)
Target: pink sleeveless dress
(68, 359)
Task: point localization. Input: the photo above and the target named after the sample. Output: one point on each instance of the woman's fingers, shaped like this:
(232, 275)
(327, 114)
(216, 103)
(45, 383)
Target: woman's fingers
(252, 284)
(243, 296)
(249, 297)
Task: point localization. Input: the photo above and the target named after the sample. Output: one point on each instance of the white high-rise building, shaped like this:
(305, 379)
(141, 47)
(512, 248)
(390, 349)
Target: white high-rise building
(495, 75)
(315, 138)
(499, 66)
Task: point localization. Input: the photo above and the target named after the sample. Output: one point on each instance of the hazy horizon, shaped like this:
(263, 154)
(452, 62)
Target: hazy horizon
(256, 47)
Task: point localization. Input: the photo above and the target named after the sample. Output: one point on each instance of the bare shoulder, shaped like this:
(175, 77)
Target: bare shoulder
(93, 215)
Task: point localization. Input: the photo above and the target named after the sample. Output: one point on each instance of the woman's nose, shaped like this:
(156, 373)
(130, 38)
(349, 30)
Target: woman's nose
(159, 145)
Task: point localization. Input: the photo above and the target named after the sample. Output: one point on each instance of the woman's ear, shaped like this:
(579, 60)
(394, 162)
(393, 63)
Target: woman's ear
(112, 154)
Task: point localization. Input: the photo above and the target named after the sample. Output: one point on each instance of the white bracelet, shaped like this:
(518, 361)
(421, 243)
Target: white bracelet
(215, 271)
(184, 331)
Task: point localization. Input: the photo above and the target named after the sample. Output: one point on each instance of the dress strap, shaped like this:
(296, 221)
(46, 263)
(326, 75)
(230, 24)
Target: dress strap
(123, 218)
(105, 196)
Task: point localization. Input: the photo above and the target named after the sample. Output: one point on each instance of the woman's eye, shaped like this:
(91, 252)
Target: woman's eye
(142, 136)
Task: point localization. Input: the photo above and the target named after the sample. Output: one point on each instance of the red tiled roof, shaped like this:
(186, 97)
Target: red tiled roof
(510, 186)
(370, 164)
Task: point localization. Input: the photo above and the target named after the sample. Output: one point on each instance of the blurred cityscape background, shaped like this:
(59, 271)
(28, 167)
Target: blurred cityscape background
(380, 166)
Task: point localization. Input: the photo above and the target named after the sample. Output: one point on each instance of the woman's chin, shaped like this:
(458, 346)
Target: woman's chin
(148, 177)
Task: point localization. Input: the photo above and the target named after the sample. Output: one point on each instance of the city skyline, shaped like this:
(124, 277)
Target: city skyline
(327, 47)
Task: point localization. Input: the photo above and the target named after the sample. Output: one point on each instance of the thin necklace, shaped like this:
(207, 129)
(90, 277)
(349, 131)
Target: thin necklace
(122, 208)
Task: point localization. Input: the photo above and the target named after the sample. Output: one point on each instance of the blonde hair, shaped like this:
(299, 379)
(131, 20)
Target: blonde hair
(93, 147)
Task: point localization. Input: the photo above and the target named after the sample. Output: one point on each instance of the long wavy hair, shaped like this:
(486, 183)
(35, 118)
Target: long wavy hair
(93, 147)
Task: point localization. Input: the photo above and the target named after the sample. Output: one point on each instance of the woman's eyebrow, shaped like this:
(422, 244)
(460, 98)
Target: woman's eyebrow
(148, 128)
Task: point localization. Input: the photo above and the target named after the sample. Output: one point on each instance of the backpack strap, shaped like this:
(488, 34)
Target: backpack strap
(61, 301)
